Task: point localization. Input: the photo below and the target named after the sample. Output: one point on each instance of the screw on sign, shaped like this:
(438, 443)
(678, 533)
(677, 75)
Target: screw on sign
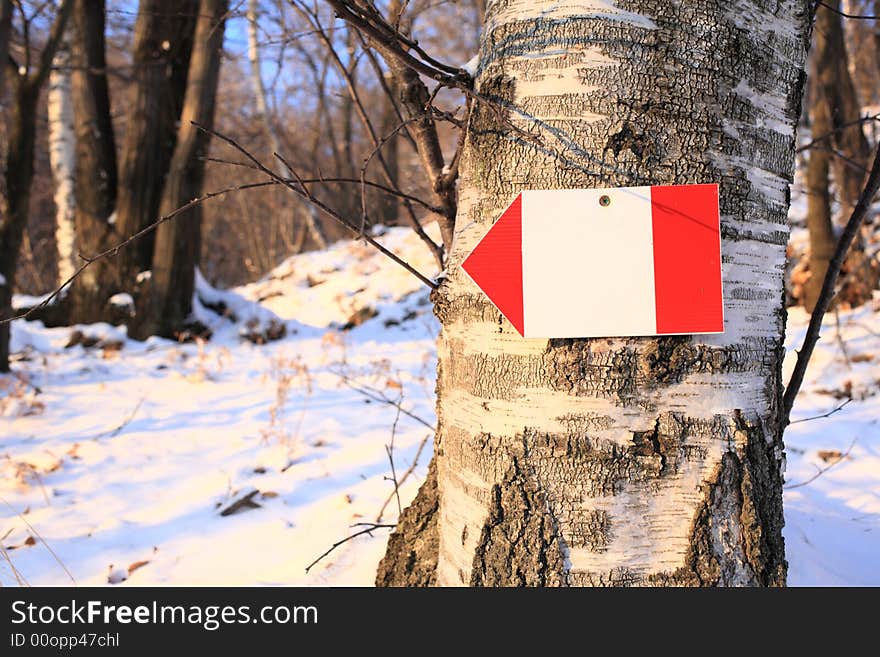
(629, 261)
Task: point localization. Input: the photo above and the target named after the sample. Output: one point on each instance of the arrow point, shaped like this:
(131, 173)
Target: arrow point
(495, 264)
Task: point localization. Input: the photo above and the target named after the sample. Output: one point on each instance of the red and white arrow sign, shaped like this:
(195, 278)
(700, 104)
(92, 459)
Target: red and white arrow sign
(605, 262)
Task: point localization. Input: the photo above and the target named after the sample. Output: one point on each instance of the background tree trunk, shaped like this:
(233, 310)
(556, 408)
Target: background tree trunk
(6, 10)
(96, 177)
(625, 461)
(19, 173)
(62, 158)
(850, 163)
(178, 242)
(819, 222)
(311, 220)
(162, 47)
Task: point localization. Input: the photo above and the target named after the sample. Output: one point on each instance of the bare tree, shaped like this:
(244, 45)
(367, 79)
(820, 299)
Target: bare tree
(163, 41)
(27, 79)
(168, 300)
(96, 176)
(312, 224)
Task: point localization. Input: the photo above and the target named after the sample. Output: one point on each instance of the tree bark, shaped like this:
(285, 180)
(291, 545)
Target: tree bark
(96, 176)
(169, 296)
(162, 47)
(623, 461)
(19, 172)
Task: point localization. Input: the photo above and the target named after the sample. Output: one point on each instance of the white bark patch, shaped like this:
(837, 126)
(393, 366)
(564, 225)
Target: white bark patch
(62, 159)
(772, 105)
(516, 10)
(556, 73)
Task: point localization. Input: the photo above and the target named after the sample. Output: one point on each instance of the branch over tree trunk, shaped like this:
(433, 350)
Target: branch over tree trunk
(167, 302)
(96, 176)
(163, 41)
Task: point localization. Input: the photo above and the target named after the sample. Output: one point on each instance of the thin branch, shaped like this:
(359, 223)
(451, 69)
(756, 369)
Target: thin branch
(825, 296)
(389, 449)
(822, 471)
(56, 35)
(858, 17)
(377, 395)
(840, 128)
(834, 410)
(115, 431)
(304, 193)
(405, 476)
(88, 261)
(367, 530)
(332, 179)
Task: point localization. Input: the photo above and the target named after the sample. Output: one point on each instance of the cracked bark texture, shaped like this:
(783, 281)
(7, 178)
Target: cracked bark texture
(623, 461)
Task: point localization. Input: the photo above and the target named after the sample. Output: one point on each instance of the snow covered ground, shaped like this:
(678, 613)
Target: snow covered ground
(228, 462)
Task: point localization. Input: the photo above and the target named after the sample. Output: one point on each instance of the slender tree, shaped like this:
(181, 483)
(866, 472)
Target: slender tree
(626, 461)
(312, 224)
(27, 83)
(169, 297)
(62, 146)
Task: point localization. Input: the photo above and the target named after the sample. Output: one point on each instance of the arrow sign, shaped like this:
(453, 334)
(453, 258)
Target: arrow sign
(627, 261)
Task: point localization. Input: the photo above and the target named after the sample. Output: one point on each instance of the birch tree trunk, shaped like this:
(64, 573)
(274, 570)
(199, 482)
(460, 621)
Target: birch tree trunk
(62, 159)
(624, 461)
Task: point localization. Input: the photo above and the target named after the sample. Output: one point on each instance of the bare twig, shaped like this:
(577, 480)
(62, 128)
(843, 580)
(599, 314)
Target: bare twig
(371, 527)
(379, 396)
(301, 190)
(834, 410)
(41, 539)
(114, 250)
(822, 471)
(841, 127)
(839, 337)
(19, 577)
(403, 478)
(858, 17)
(825, 296)
(115, 431)
(389, 449)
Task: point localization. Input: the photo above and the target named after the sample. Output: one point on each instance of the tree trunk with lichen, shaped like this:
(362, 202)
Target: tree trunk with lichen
(622, 461)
